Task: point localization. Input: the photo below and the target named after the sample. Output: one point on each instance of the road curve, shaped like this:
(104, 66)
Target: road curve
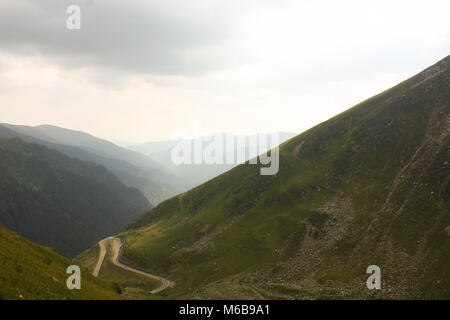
(101, 256)
(117, 244)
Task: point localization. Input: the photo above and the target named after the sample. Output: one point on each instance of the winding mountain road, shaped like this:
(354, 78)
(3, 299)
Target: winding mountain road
(101, 256)
(116, 245)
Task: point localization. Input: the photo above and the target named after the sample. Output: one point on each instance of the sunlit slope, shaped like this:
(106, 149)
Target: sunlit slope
(369, 186)
(29, 271)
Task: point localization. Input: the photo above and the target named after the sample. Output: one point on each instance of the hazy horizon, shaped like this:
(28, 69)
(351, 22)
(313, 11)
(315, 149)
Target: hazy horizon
(140, 71)
(125, 143)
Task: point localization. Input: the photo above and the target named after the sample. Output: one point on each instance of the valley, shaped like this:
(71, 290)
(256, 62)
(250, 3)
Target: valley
(369, 186)
(224, 159)
(115, 247)
(59, 201)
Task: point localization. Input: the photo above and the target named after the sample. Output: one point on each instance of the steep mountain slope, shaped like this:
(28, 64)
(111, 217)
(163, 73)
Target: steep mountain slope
(29, 271)
(195, 174)
(132, 168)
(370, 186)
(61, 202)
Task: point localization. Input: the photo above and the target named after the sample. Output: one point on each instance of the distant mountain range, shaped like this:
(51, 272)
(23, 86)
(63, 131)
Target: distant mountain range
(59, 201)
(195, 174)
(146, 166)
(77, 201)
(132, 168)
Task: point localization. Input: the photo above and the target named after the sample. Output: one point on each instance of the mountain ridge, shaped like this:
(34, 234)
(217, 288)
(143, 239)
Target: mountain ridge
(155, 183)
(369, 186)
(195, 174)
(61, 202)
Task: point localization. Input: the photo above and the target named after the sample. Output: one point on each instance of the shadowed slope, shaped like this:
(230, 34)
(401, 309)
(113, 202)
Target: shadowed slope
(61, 202)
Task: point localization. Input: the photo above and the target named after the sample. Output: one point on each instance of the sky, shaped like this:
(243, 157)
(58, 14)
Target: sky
(146, 70)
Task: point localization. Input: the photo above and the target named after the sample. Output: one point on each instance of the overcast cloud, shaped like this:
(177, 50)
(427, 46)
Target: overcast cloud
(143, 69)
(140, 36)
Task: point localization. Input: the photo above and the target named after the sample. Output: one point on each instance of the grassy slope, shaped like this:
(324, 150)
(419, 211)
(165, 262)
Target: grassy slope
(29, 271)
(369, 186)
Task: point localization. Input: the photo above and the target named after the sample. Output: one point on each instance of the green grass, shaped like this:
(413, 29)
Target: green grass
(88, 258)
(29, 271)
